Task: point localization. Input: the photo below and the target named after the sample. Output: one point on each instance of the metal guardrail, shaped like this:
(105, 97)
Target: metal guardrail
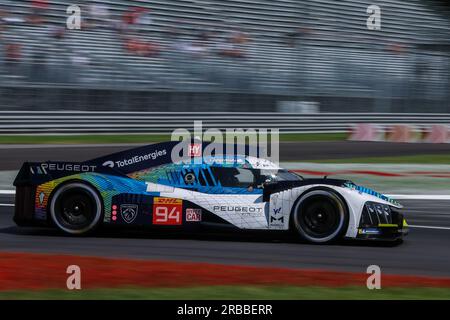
(83, 122)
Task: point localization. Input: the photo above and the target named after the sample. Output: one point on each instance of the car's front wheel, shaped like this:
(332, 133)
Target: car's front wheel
(320, 216)
(76, 208)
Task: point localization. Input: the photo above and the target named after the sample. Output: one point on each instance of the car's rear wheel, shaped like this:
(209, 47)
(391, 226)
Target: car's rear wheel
(320, 216)
(76, 208)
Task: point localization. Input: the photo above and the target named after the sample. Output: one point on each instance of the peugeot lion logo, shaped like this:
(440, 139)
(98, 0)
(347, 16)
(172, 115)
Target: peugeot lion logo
(129, 212)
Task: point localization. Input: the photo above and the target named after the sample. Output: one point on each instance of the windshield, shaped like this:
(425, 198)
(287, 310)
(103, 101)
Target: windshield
(278, 175)
(241, 177)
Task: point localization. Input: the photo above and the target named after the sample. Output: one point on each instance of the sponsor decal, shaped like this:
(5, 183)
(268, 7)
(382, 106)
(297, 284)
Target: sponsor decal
(193, 215)
(167, 211)
(369, 231)
(158, 200)
(224, 160)
(108, 164)
(135, 159)
(276, 218)
(128, 212)
(41, 198)
(44, 168)
(238, 209)
(195, 150)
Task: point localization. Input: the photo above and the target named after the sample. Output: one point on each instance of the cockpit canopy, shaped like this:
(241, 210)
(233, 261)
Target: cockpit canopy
(218, 172)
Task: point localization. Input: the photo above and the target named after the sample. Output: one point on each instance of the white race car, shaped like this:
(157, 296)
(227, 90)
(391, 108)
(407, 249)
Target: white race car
(143, 187)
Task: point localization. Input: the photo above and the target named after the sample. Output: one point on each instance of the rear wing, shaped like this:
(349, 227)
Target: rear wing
(33, 174)
(119, 164)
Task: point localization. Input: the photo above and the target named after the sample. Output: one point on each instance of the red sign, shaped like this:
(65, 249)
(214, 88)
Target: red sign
(167, 211)
(195, 150)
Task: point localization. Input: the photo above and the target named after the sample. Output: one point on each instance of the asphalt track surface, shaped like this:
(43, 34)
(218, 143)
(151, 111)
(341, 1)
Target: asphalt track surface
(12, 156)
(424, 252)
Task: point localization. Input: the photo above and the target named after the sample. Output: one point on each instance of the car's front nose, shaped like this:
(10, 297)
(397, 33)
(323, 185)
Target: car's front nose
(381, 222)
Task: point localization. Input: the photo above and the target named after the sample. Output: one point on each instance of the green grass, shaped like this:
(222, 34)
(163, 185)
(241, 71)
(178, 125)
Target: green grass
(294, 137)
(415, 159)
(140, 138)
(235, 292)
(150, 138)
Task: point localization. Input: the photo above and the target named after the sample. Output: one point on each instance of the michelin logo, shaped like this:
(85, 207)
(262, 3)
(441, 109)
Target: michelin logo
(136, 159)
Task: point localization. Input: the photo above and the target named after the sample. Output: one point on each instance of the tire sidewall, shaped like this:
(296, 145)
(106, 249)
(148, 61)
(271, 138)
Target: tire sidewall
(95, 197)
(343, 225)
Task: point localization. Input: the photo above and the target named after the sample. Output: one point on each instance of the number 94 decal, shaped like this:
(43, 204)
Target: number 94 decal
(167, 211)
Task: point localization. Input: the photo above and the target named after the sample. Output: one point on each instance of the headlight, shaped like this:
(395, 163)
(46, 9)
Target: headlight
(375, 214)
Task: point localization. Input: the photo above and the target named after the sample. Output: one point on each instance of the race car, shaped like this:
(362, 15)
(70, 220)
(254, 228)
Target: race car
(147, 187)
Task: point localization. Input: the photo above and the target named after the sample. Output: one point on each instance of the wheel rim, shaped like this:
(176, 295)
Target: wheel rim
(320, 216)
(75, 208)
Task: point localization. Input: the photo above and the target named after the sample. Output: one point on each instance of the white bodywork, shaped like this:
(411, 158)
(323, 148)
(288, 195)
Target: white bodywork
(248, 211)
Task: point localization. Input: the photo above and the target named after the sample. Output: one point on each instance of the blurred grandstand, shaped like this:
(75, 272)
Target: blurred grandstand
(234, 55)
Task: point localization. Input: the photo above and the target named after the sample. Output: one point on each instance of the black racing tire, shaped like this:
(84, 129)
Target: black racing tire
(320, 216)
(76, 208)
